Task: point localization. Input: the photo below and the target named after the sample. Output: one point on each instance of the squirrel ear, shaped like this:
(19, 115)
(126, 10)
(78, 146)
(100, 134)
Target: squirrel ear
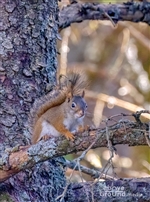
(83, 93)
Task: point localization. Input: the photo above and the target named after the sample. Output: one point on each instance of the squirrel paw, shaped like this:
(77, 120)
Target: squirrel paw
(69, 136)
(88, 128)
(81, 129)
(45, 137)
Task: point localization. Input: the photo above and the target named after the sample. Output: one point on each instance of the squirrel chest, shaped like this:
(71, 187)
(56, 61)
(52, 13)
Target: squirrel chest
(54, 121)
(61, 112)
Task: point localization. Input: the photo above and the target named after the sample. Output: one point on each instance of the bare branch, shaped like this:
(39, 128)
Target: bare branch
(92, 172)
(123, 132)
(77, 165)
(138, 35)
(121, 190)
(130, 11)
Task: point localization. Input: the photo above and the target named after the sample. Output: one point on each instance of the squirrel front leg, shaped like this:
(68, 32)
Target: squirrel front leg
(64, 131)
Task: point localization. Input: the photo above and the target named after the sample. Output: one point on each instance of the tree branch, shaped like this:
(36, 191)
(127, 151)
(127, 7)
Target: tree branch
(92, 172)
(123, 132)
(110, 190)
(130, 11)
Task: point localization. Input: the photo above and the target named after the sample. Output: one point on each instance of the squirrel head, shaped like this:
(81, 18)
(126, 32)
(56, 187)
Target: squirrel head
(76, 105)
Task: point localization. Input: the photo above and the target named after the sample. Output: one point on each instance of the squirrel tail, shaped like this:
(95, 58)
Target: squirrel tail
(74, 82)
(41, 105)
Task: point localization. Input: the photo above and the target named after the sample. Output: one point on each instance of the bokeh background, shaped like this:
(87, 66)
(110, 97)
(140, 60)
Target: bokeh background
(117, 63)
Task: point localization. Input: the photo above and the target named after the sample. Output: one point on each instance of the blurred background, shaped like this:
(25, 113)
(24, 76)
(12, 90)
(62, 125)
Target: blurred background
(117, 63)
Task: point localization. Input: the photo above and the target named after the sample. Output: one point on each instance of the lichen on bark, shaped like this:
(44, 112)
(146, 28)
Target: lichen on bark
(28, 64)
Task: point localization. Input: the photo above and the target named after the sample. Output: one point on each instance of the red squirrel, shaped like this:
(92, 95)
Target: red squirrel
(60, 112)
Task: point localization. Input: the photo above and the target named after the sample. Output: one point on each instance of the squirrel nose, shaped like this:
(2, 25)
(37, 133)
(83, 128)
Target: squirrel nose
(81, 113)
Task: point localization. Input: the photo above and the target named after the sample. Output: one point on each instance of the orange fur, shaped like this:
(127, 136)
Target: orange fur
(50, 110)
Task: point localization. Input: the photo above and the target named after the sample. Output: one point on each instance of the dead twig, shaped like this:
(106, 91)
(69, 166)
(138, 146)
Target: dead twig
(92, 172)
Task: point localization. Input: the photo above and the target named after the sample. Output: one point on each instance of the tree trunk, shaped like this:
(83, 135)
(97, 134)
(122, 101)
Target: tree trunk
(28, 65)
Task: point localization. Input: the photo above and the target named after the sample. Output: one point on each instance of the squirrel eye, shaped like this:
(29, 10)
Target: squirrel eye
(86, 106)
(73, 105)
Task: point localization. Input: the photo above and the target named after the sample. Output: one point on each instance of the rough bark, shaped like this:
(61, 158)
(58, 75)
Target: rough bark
(42, 183)
(110, 190)
(126, 132)
(130, 11)
(28, 33)
(28, 63)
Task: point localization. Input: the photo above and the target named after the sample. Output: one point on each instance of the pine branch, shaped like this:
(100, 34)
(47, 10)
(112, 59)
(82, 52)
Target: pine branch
(130, 11)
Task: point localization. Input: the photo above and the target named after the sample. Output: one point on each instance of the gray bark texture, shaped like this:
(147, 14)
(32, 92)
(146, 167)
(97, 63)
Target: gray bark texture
(125, 132)
(125, 190)
(28, 32)
(28, 63)
(132, 11)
